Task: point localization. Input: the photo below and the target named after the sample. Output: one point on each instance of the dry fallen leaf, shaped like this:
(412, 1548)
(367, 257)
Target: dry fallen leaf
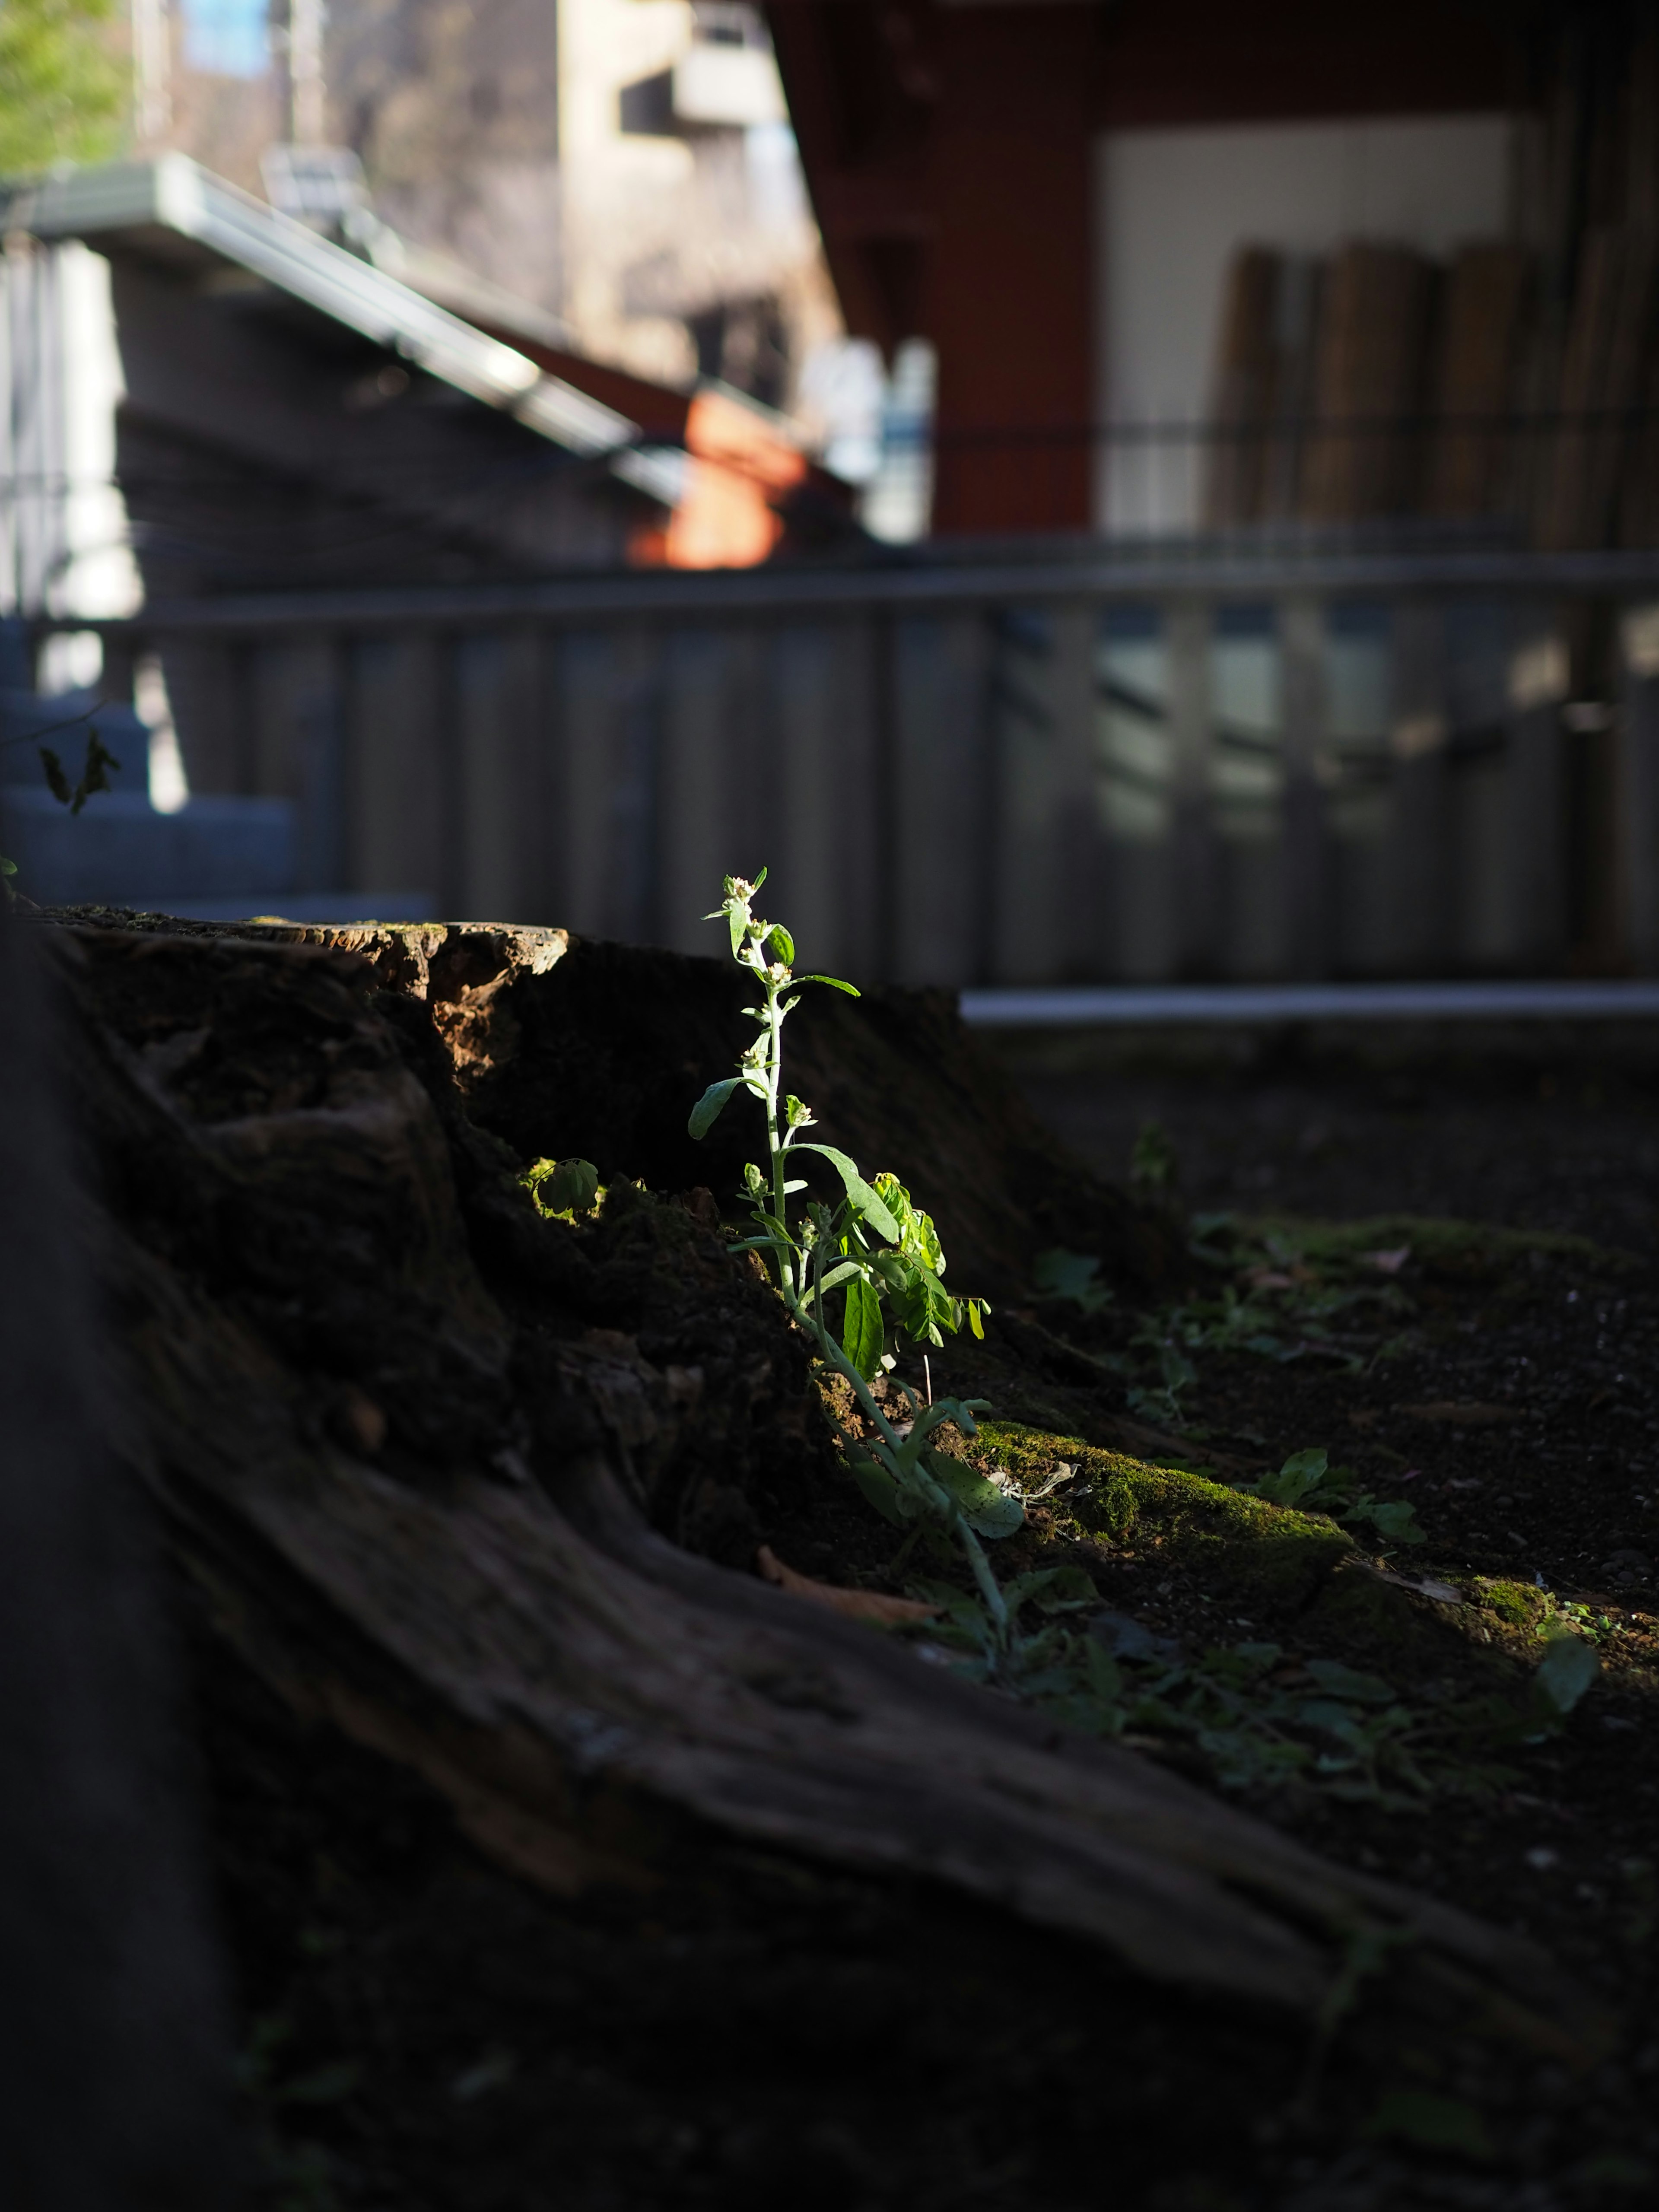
(1428, 1586)
(855, 1604)
(1387, 1263)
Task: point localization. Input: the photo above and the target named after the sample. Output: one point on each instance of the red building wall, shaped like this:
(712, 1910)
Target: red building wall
(948, 151)
(1005, 293)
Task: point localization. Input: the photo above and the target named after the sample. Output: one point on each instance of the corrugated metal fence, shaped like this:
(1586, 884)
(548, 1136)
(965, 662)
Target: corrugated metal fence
(972, 772)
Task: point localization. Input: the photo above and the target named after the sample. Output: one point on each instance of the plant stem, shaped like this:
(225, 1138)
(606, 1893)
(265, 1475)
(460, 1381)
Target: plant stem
(774, 1076)
(945, 1505)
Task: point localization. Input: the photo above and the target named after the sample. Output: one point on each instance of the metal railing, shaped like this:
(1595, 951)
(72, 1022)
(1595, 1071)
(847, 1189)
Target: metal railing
(1070, 762)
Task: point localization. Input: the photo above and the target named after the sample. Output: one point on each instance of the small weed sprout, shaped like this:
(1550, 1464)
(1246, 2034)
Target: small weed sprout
(879, 1254)
(94, 777)
(1308, 1483)
(560, 1190)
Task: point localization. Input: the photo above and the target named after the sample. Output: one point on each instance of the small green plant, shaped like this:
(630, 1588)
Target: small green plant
(94, 776)
(872, 1251)
(1260, 1718)
(562, 1189)
(1161, 1400)
(1154, 1168)
(1309, 1483)
(1071, 1277)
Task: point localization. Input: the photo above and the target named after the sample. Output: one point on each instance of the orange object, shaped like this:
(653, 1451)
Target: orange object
(736, 466)
(855, 1604)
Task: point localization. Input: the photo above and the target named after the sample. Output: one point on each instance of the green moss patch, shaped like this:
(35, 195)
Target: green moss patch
(1517, 1605)
(1227, 1544)
(1474, 1251)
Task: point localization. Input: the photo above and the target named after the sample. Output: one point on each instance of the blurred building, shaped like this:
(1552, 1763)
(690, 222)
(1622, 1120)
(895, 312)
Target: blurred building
(625, 165)
(1190, 263)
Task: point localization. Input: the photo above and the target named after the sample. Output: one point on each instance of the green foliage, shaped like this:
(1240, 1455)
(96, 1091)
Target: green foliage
(1308, 1481)
(1071, 1276)
(93, 774)
(1564, 1672)
(1161, 1400)
(1260, 1720)
(562, 1189)
(1154, 1171)
(873, 1250)
(1241, 1551)
(1517, 1605)
(62, 90)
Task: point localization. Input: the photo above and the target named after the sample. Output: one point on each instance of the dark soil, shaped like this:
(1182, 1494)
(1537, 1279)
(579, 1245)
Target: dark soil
(1550, 1476)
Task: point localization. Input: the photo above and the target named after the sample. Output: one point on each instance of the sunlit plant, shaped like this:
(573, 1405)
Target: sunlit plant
(875, 1255)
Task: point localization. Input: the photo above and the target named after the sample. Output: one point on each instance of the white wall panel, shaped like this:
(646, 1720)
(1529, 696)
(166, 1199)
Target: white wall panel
(1172, 207)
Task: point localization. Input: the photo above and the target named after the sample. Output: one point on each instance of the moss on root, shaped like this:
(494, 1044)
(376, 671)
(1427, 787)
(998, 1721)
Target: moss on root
(1469, 1251)
(1233, 1546)
(1517, 1605)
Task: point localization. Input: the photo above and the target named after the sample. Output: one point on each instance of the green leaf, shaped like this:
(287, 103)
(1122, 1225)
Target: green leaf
(1105, 1677)
(1053, 1590)
(1337, 1680)
(1396, 1519)
(561, 1187)
(864, 1199)
(56, 782)
(92, 776)
(1302, 1472)
(708, 1109)
(988, 1511)
(1567, 1671)
(834, 981)
(862, 1337)
(973, 1321)
(838, 1274)
(782, 944)
(879, 1487)
(1062, 1275)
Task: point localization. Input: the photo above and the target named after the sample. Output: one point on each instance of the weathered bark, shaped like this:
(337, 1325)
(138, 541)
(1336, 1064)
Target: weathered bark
(410, 1439)
(114, 2043)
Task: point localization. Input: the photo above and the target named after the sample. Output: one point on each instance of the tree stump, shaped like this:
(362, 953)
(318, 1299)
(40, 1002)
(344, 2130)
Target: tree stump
(419, 1448)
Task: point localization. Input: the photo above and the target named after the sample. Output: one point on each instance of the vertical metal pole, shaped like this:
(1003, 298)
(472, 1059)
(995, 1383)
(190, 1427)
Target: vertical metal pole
(1081, 888)
(1420, 862)
(1308, 951)
(1535, 824)
(1194, 848)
